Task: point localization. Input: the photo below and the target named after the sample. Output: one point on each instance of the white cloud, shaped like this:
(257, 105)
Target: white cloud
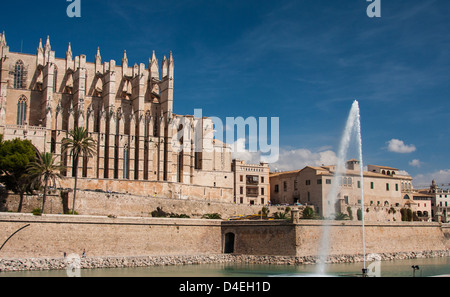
(239, 152)
(398, 146)
(403, 172)
(300, 158)
(415, 163)
(442, 177)
(292, 159)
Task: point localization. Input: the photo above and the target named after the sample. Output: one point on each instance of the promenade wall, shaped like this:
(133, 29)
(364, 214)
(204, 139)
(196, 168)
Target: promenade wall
(343, 237)
(52, 235)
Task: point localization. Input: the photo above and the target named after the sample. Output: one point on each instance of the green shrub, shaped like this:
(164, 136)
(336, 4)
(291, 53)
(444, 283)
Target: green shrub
(359, 214)
(392, 210)
(265, 212)
(69, 212)
(159, 213)
(341, 216)
(407, 214)
(350, 213)
(212, 216)
(179, 216)
(280, 216)
(308, 213)
(37, 212)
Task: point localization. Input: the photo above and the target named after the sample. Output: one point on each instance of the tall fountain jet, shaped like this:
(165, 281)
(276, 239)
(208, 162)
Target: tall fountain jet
(352, 128)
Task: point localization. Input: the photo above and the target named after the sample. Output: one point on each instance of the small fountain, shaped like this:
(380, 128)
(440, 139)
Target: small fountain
(352, 127)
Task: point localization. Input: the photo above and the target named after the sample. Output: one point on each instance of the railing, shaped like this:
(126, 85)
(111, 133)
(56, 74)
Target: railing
(25, 127)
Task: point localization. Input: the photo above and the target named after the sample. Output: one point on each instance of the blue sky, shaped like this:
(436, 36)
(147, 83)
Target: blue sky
(302, 61)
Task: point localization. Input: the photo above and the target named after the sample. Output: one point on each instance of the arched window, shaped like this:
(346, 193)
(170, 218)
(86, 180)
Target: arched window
(18, 75)
(155, 127)
(126, 162)
(55, 79)
(147, 123)
(22, 111)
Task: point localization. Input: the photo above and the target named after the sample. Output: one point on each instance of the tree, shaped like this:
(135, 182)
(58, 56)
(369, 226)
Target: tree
(15, 155)
(78, 144)
(45, 172)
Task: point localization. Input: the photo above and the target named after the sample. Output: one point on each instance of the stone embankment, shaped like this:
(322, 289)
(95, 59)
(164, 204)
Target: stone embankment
(9, 265)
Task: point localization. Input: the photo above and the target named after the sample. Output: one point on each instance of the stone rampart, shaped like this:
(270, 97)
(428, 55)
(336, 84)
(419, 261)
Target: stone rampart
(50, 236)
(54, 235)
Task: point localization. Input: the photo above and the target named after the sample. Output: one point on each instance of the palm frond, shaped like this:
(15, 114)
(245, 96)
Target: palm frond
(79, 143)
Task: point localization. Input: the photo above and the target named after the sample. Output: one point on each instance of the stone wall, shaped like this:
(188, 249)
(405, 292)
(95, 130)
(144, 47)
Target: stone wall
(446, 231)
(52, 235)
(117, 204)
(261, 237)
(155, 188)
(345, 237)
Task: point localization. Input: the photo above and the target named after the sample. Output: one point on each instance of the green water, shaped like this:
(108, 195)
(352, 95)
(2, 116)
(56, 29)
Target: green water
(398, 268)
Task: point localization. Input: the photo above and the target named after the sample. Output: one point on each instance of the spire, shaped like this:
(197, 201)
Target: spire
(98, 57)
(125, 59)
(171, 65)
(69, 53)
(47, 44)
(69, 63)
(153, 66)
(40, 49)
(164, 68)
(125, 71)
(40, 54)
(3, 39)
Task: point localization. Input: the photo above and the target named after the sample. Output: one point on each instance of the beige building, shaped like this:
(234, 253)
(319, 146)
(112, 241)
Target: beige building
(311, 185)
(421, 205)
(440, 202)
(127, 109)
(251, 183)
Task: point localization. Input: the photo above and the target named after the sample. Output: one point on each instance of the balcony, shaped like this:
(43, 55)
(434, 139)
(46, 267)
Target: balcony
(252, 180)
(252, 192)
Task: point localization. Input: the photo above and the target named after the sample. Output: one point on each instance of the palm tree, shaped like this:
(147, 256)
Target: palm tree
(45, 171)
(79, 144)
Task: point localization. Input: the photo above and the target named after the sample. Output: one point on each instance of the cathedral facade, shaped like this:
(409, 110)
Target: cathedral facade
(127, 109)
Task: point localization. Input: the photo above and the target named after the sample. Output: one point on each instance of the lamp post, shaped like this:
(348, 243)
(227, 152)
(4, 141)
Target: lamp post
(415, 267)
